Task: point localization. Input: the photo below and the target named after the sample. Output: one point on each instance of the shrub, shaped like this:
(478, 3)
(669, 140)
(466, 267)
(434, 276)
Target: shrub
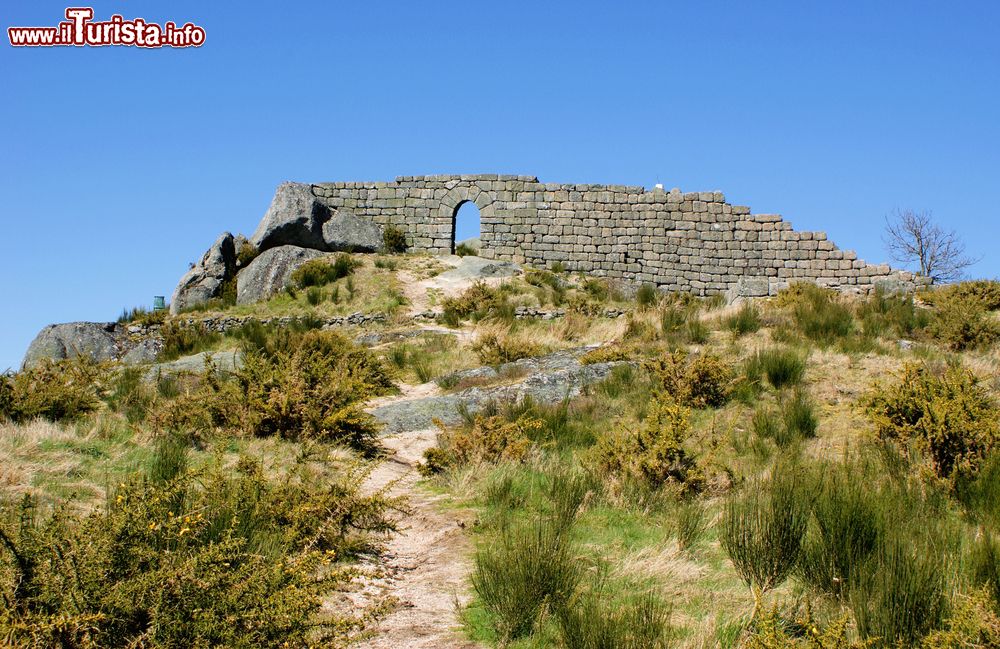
(821, 316)
(654, 453)
(386, 263)
(704, 382)
(745, 321)
(984, 564)
(672, 318)
(762, 530)
(891, 315)
(496, 346)
(246, 254)
(972, 623)
(848, 523)
(899, 596)
(203, 559)
(781, 366)
(692, 522)
(799, 418)
(393, 239)
(319, 272)
(180, 339)
(142, 316)
(949, 415)
(771, 631)
(465, 250)
(609, 354)
(963, 323)
(646, 296)
(129, 394)
(697, 331)
(488, 437)
(985, 292)
(529, 568)
(54, 390)
(314, 295)
(478, 300)
(594, 620)
(308, 386)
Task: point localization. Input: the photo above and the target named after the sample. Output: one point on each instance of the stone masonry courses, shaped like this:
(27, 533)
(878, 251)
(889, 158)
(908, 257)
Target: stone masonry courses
(679, 241)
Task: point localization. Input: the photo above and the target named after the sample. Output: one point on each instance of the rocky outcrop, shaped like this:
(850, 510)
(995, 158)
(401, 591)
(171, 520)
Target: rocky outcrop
(270, 272)
(297, 218)
(145, 351)
(471, 267)
(550, 379)
(225, 362)
(71, 339)
(345, 231)
(206, 279)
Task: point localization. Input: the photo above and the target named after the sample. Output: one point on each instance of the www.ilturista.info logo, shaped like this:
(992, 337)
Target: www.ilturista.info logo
(79, 30)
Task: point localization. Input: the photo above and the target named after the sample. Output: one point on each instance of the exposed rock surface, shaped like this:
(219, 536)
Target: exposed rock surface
(297, 218)
(195, 364)
(349, 232)
(145, 351)
(470, 267)
(550, 379)
(71, 339)
(206, 278)
(270, 272)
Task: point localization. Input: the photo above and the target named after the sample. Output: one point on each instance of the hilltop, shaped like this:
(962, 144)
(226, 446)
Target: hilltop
(391, 447)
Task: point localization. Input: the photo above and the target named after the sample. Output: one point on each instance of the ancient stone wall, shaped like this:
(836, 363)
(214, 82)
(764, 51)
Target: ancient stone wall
(693, 241)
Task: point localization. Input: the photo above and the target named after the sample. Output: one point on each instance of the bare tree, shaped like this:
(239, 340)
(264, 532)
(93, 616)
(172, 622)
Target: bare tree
(913, 238)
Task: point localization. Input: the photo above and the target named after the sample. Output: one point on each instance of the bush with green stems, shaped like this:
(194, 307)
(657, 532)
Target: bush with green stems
(529, 569)
(700, 381)
(647, 296)
(984, 291)
(962, 323)
(821, 315)
(692, 522)
(763, 527)
(128, 393)
(143, 316)
(465, 250)
(319, 272)
(848, 522)
(948, 414)
(594, 620)
(745, 321)
(218, 557)
(393, 239)
(293, 384)
(899, 595)
(63, 390)
(314, 295)
(780, 365)
(246, 254)
(794, 420)
(182, 339)
(883, 315)
(653, 454)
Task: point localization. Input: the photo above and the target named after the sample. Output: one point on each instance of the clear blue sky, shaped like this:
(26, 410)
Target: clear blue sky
(119, 166)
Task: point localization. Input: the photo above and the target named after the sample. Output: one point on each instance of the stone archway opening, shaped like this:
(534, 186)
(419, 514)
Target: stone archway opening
(466, 228)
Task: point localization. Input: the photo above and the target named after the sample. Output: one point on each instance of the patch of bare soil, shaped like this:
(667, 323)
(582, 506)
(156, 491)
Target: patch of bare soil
(425, 567)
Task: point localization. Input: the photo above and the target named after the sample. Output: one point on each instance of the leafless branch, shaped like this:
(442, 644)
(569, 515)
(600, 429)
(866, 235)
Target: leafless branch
(912, 238)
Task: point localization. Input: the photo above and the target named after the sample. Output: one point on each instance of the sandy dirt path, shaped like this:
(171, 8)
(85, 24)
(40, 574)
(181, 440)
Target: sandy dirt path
(427, 564)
